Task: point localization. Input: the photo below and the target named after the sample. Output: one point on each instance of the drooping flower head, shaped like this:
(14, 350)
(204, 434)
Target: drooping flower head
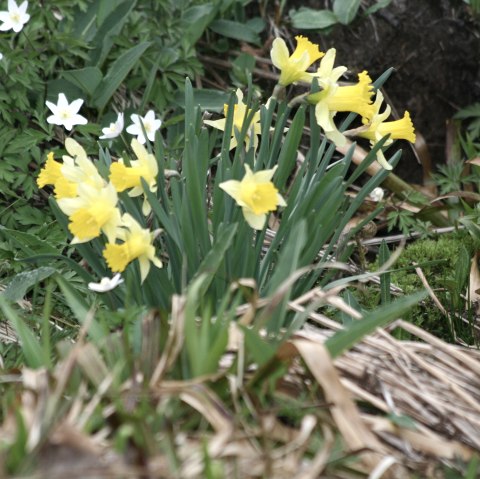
(293, 68)
(333, 98)
(144, 167)
(136, 245)
(150, 125)
(66, 114)
(240, 113)
(15, 18)
(377, 128)
(256, 194)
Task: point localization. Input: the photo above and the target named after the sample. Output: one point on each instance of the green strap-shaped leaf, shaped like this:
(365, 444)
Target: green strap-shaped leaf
(117, 73)
(346, 338)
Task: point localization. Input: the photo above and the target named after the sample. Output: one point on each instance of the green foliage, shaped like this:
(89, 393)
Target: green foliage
(343, 12)
(445, 261)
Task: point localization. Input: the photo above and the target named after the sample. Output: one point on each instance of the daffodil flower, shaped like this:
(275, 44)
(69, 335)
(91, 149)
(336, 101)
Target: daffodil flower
(91, 212)
(240, 112)
(136, 245)
(15, 18)
(334, 98)
(66, 114)
(150, 125)
(114, 129)
(78, 168)
(293, 68)
(377, 128)
(256, 194)
(51, 174)
(124, 177)
(106, 284)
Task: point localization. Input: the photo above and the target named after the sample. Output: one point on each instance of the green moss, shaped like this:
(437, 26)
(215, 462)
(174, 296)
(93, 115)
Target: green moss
(445, 262)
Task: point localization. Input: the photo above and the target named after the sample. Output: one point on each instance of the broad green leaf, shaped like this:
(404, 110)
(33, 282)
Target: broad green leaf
(377, 6)
(309, 19)
(117, 73)
(235, 30)
(22, 282)
(197, 19)
(346, 10)
(87, 78)
(111, 18)
(210, 100)
(380, 317)
(31, 347)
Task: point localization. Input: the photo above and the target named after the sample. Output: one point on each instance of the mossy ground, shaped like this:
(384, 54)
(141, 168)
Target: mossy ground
(445, 261)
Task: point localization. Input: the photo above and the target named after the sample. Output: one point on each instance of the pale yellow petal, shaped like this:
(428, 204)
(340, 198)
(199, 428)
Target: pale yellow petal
(257, 222)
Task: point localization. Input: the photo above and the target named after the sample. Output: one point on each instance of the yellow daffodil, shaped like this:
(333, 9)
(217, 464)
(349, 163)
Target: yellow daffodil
(137, 244)
(91, 212)
(256, 194)
(293, 68)
(377, 128)
(334, 98)
(51, 174)
(240, 112)
(145, 166)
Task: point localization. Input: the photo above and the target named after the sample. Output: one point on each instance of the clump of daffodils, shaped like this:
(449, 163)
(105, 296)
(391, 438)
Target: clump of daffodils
(333, 98)
(92, 205)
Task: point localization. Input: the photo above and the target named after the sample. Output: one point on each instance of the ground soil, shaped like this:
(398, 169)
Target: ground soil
(433, 45)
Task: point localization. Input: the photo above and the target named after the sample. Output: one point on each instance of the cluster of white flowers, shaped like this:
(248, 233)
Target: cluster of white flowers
(66, 114)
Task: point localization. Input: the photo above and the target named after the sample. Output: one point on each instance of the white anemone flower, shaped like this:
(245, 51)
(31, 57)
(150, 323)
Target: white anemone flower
(150, 125)
(106, 284)
(114, 129)
(15, 18)
(66, 114)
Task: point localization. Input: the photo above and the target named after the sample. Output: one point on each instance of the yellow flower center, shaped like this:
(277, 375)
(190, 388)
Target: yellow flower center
(259, 197)
(87, 222)
(123, 177)
(118, 256)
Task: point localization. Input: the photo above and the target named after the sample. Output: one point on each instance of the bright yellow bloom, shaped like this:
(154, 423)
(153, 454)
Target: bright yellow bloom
(334, 98)
(377, 128)
(256, 194)
(91, 212)
(50, 173)
(293, 68)
(145, 166)
(137, 244)
(240, 112)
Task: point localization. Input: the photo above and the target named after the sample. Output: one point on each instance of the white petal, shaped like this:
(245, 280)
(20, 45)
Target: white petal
(76, 105)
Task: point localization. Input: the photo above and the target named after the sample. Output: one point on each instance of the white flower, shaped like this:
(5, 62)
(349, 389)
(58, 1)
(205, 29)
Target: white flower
(66, 114)
(1, 56)
(106, 284)
(114, 129)
(377, 194)
(150, 124)
(15, 18)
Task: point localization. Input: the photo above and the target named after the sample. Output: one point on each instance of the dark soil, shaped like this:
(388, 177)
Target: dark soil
(433, 45)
